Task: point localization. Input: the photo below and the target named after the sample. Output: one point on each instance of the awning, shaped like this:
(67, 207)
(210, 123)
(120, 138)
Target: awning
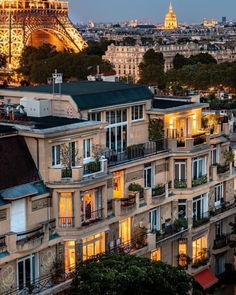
(206, 279)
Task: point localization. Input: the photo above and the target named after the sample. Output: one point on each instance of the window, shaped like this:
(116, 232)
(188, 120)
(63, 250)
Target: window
(180, 170)
(154, 219)
(200, 207)
(26, 268)
(148, 175)
(124, 231)
(182, 251)
(199, 251)
(66, 218)
(182, 209)
(156, 254)
(91, 205)
(72, 151)
(137, 112)
(219, 194)
(94, 116)
(116, 135)
(198, 167)
(93, 245)
(219, 229)
(69, 256)
(220, 264)
(214, 155)
(56, 155)
(87, 145)
(118, 184)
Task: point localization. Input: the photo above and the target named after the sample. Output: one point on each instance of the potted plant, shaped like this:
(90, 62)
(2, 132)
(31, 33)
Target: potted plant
(180, 224)
(67, 157)
(136, 187)
(140, 234)
(57, 271)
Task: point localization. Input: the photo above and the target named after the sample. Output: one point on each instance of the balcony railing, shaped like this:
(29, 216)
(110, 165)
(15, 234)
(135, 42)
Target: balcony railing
(91, 217)
(180, 183)
(221, 241)
(66, 222)
(2, 243)
(130, 246)
(224, 206)
(199, 139)
(222, 169)
(201, 259)
(158, 191)
(134, 152)
(27, 236)
(92, 167)
(201, 219)
(128, 203)
(199, 181)
(66, 173)
(170, 228)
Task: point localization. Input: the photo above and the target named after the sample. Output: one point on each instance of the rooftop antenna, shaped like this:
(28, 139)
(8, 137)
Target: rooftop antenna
(56, 79)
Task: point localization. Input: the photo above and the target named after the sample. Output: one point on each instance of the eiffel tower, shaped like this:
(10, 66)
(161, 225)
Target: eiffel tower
(34, 22)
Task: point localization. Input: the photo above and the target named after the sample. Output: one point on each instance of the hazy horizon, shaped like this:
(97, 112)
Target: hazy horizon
(190, 11)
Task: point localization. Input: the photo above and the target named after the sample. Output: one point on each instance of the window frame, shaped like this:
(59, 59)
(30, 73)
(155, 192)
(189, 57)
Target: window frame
(137, 113)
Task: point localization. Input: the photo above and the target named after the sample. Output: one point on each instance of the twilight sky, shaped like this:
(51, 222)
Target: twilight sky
(150, 10)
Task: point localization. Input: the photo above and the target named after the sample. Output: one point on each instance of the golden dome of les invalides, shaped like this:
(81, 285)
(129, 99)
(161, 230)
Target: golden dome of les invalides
(170, 19)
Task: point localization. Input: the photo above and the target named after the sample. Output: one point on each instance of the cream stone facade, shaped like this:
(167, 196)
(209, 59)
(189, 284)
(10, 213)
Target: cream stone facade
(145, 178)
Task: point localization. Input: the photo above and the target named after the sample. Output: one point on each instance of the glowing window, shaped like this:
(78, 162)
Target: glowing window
(124, 231)
(69, 256)
(199, 249)
(118, 178)
(93, 245)
(156, 254)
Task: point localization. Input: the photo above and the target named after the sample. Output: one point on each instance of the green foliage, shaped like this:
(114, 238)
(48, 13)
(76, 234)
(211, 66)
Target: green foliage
(129, 41)
(38, 64)
(156, 129)
(229, 156)
(128, 274)
(135, 187)
(98, 48)
(152, 69)
(179, 61)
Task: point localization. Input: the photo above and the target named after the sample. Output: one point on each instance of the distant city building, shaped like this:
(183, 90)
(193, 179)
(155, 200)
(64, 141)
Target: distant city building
(170, 19)
(133, 23)
(126, 59)
(209, 23)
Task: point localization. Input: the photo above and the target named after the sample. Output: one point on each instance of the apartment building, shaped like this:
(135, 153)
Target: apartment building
(126, 59)
(130, 172)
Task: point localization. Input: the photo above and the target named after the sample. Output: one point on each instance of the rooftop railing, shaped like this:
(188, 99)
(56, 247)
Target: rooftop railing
(27, 236)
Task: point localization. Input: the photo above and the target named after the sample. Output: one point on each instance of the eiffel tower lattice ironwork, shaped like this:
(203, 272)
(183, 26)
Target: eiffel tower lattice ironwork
(34, 22)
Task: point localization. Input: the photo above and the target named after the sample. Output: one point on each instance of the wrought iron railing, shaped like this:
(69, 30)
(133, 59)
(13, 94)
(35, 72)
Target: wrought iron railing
(128, 203)
(66, 222)
(221, 241)
(224, 206)
(131, 245)
(158, 190)
(180, 183)
(200, 219)
(201, 259)
(91, 217)
(27, 236)
(199, 181)
(135, 152)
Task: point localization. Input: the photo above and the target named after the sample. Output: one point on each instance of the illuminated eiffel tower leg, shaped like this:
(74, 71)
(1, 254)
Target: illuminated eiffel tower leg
(30, 22)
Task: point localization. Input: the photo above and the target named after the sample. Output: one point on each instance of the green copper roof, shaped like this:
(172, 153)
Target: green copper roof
(90, 94)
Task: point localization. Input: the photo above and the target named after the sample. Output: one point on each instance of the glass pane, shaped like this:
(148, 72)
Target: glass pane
(27, 272)
(20, 275)
(113, 138)
(124, 115)
(124, 135)
(119, 147)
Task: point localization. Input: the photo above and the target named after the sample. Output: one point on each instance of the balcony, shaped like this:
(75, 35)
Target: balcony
(91, 217)
(128, 204)
(92, 168)
(66, 222)
(180, 183)
(3, 246)
(30, 236)
(199, 181)
(200, 219)
(158, 191)
(135, 152)
(201, 259)
(170, 229)
(130, 246)
(224, 207)
(189, 142)
(221, 241)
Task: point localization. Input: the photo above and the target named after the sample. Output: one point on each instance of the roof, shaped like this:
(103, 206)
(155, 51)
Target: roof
(17, 166)
(206, 279)
(96, 94)
(166, 104)
(24, 190)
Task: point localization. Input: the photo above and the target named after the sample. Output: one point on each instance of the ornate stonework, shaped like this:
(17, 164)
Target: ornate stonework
(7, 277)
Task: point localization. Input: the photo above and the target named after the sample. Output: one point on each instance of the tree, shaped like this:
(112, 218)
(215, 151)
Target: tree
(179, 61)
(202, 58)
(152, 69)
(129, 41)
(128, 274)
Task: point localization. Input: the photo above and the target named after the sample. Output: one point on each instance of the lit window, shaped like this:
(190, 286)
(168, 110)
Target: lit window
(137, 112)
(87, 148)
(118, 185)
(199, 251)
(56, 155)
(124, 231)
(91, 206)
(156, 254)
(182, 261)
(93, 245)
(66, 218)
(69, 256)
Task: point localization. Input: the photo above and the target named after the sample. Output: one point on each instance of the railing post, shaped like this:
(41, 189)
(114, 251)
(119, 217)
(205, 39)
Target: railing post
(11, 242)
